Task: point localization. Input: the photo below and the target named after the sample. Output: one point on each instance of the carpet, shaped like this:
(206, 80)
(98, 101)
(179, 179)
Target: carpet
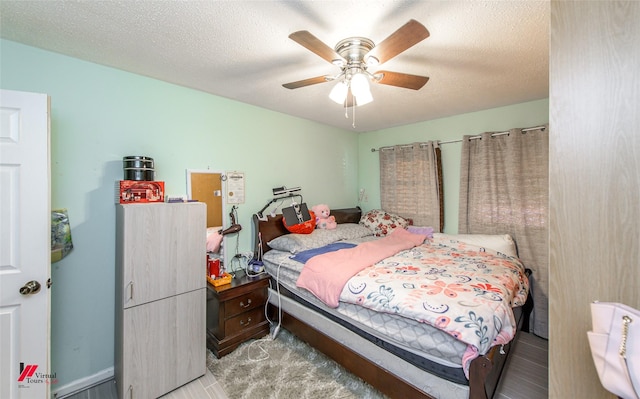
(285, 368)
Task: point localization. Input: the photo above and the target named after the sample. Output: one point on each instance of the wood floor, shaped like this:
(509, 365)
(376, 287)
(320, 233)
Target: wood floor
(205, 387)
(526, 377)
(526, 372)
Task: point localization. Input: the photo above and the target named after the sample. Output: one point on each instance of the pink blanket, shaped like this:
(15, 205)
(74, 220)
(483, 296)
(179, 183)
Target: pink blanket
(325, 275)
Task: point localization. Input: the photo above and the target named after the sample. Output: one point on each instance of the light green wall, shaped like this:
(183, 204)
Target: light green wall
(523, 115)
(99, 115)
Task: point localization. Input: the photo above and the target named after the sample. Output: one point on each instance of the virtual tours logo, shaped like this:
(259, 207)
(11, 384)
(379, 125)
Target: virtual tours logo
(29, 375)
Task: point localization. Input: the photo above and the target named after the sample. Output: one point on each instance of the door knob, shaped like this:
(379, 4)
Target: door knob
(31, 287)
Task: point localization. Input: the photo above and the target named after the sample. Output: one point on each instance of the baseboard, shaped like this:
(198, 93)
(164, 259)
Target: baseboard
(83, 383)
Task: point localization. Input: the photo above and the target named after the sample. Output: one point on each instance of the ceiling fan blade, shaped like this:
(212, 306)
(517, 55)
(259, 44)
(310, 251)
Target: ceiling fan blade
(306, 82)
(406, 36)
(398, 79)
(312, 43)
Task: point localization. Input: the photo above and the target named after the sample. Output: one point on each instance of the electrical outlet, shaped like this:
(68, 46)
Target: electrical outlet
(246, 255)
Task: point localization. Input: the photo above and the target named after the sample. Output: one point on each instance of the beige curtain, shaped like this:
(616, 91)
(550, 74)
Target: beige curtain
(411, 183)
(504, 188)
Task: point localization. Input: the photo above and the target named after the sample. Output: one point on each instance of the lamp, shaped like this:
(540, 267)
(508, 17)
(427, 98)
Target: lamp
(356, 83)
(279, 194)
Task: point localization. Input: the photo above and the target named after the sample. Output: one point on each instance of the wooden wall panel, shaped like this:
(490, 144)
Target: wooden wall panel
(594, 179)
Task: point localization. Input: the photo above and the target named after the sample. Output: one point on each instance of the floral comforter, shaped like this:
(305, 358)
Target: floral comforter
(464, 290)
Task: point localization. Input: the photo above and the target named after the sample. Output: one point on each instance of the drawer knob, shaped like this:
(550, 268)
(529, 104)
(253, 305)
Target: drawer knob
(242, 304)
(245, 323)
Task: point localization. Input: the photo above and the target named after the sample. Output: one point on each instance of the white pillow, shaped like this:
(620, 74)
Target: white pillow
(502, 243)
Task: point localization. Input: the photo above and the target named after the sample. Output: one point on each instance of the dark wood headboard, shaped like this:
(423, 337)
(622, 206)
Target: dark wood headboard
(273, 226)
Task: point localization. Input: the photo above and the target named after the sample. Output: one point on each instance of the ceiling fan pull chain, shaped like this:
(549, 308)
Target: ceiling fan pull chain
(353, 123)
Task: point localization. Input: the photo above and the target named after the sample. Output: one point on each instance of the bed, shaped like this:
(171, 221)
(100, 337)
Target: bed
(403, 357)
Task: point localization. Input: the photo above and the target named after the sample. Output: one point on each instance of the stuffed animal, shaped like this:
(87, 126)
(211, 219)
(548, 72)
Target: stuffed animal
(323, 218)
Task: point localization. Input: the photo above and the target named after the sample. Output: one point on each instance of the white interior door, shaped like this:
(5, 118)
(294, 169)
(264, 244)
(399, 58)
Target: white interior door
(25, 246)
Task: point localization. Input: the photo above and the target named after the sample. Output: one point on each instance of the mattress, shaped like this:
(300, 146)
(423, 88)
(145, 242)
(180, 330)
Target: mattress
(419, 344)
(427, 382)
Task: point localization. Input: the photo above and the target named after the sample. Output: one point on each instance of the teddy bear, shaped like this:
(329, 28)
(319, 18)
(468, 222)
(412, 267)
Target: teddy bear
(323, 218)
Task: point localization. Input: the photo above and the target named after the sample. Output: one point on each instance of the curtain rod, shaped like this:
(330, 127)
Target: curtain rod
(470, 138)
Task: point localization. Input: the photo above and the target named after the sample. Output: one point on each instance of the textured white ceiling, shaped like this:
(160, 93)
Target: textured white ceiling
(480, 55)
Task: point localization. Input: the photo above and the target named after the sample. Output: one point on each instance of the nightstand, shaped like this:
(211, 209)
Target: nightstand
(235, 313)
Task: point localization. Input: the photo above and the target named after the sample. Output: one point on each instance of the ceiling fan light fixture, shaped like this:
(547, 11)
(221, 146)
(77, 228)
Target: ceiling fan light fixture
(360, 85)
(356, 85)
(339, 92)
(363, 98)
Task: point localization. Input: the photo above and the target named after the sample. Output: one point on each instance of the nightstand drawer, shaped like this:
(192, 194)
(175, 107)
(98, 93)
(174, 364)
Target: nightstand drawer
(244, 321)
(235, 313)
(245, 302)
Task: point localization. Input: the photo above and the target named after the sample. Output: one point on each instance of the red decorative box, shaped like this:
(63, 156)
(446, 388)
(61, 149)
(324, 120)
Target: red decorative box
(138, 191)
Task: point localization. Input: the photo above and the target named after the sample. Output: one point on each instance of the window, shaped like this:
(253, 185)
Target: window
(411, 183)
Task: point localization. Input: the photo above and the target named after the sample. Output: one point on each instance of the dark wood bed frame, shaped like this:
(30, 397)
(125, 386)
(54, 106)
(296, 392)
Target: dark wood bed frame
(484, 373)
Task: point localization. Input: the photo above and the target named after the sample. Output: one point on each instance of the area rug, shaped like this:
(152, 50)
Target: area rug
(285, 368)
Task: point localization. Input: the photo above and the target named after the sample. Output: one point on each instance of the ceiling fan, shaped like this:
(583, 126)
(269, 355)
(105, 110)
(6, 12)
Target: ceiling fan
(355, 55)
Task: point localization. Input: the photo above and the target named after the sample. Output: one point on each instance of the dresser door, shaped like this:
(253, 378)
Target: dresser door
(161, 249)
(191, 336)
(163, 345)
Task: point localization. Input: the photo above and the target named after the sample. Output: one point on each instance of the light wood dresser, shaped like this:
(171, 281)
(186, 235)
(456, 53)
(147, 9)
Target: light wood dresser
(160, 332)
